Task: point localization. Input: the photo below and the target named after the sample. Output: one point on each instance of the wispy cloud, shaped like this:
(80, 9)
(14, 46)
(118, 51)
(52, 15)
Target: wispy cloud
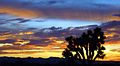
(99, 11)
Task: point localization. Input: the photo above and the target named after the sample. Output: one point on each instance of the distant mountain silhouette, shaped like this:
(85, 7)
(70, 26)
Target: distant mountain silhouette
(51, 60)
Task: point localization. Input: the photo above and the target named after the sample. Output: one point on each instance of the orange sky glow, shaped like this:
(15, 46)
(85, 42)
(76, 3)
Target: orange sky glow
(53, 49)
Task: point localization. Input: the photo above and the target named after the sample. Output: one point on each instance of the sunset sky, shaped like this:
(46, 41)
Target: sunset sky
(37, 28)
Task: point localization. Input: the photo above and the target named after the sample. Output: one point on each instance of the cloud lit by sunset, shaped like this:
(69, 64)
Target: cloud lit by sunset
(38, 28)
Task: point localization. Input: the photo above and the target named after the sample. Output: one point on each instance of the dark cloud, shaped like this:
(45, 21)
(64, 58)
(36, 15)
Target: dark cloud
(55, 28)
(103, 6)
(15, 24)
(16, 47)
(4, 33)
(21, 20)
(79, 14)
(17, 19)
(10, 47)
(4, 29)
(86, 27)
(41, 42)
(113, 29)
(32, 28)
(112, 24)
(40, 20)
(2, 13)
(7, 41)
(2, 23)
(58, 3)
(52, 2)
(74, 10)
(110, 28)
(59, 32)
(118, 15)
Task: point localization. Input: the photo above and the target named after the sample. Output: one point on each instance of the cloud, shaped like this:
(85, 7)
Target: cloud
(55, 28)
(112, 31)
(2, 23)
(17, 19)
(18, 12)
(32, 52)
(39, 42)
(43, 36)
(60, 10)
(15, 24)
(32, 28)
(60, 32)
(52, 2)
(118, 15)
(115, 50)
(40, 20)
(102, 5)
(21, 20)
(52, 38)
(24, 21)
(10, 47)
(17, 47)
(111, 24)
(7, 41)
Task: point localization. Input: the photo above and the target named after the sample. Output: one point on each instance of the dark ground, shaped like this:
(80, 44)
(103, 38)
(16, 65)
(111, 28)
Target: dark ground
(53, 61)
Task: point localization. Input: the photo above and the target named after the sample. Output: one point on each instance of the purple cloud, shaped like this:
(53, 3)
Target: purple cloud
(8, 41)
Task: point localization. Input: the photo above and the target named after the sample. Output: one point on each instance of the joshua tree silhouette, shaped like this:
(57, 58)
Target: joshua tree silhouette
(88, 46)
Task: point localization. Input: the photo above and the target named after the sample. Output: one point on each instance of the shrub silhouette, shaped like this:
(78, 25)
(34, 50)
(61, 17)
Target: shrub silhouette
(86, 48)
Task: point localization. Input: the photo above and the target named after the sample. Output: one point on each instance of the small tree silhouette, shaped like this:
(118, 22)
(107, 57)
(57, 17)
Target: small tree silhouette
(88, 46)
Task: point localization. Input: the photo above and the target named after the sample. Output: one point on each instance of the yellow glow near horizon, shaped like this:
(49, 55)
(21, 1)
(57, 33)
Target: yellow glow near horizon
(35, 55)
(44, 53)
(59, 42)
(6, 44)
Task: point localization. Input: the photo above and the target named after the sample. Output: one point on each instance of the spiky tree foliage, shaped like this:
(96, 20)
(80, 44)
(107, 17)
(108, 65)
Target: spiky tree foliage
(84, 47)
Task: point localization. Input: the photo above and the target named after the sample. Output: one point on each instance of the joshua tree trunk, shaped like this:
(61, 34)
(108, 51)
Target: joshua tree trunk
(78, 55)
(95, 57)
(92, 55)
(82, 53)
(86, 48)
